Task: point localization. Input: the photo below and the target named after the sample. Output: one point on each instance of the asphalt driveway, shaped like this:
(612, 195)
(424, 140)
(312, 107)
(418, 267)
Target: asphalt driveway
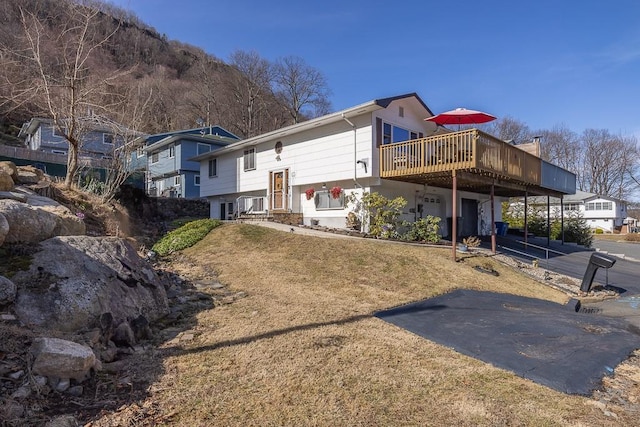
(548, 343)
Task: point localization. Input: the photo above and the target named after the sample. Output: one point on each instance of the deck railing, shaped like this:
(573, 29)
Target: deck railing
(471, 150)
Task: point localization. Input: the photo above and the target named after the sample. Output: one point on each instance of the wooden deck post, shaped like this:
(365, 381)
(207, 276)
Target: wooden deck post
(454, 214)
(526, 222)
(493, 220)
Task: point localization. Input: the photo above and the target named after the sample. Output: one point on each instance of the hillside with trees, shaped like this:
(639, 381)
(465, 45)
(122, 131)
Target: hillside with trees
(66, 59)
(74, 57)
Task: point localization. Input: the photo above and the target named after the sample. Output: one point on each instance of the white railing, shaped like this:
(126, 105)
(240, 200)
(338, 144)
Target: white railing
(248, 205)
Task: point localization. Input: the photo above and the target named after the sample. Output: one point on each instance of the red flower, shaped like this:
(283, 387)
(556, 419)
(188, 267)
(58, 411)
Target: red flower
(310, 192)
(335, 192)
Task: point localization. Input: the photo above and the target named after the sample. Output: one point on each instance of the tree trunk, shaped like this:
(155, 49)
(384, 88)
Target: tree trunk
(72, 165)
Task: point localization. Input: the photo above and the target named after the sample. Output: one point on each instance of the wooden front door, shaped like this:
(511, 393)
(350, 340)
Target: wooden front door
(278, 183)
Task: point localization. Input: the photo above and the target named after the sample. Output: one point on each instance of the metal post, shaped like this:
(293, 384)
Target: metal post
(493, 220)
(548, 220)
(454, 213)
(562, 216)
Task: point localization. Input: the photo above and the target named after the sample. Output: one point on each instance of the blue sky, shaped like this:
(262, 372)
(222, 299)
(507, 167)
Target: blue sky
(542, 62)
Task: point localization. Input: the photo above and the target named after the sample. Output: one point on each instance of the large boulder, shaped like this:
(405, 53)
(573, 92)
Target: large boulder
(54, 357)
(6, 182)
(67, 223)
(26, 223)
(10, 168)
(4, 228)
(37, 219)
(73, 280)
(7, 291)
(29, 175)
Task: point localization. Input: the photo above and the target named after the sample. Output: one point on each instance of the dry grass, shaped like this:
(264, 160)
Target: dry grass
(304, 349)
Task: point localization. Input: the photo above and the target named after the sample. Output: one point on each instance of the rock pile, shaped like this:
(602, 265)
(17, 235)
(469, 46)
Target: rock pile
(27, 217)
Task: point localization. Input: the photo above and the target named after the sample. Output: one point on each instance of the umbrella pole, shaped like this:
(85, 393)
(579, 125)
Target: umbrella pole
(454, 214)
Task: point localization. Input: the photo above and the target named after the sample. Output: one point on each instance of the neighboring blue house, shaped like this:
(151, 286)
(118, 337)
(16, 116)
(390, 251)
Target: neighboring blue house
(99, 142)
(170, 173)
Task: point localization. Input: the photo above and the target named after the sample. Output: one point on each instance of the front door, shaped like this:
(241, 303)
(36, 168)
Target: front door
(469, 217)
(278, 183)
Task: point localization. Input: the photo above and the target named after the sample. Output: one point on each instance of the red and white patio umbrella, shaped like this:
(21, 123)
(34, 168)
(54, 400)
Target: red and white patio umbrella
(461, 116)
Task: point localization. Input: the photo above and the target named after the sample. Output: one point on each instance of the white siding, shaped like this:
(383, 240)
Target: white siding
(324, 155)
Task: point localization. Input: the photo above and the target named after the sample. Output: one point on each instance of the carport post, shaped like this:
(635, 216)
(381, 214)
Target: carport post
(526, 222)
(454, 214)
(493, 221)
(548, 220)
(562, 216)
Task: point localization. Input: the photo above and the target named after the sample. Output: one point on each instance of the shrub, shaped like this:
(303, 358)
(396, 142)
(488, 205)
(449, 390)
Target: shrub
(423, 230)
(381, 212)
(576, 230)
(185, 236)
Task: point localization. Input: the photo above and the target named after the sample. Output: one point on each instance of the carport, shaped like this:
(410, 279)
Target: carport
(478, 162)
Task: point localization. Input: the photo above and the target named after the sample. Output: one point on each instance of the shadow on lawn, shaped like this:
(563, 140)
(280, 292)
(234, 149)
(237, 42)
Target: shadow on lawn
(267, 335)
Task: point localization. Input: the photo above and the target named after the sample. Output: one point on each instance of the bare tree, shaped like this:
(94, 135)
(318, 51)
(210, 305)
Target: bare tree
(302, 88)
(610, 162)
(58, 73)
(124, 161)
(509, 129)
(250, 88)
(561, 146)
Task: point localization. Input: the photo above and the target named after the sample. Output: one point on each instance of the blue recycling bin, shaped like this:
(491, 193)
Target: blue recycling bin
(501, 228)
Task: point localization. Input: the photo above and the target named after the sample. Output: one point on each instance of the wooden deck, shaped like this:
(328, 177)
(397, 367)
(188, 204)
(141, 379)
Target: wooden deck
(477, 157)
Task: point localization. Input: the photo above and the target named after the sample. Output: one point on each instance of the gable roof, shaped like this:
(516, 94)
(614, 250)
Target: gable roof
(579, 197)
(201, 131)
(367, 107)
(206, 139)
(96, 123)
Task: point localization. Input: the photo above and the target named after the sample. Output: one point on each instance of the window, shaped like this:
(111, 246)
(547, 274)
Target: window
(249, 159)
(571, 206)
(196, 180)
(599, 206)
(393, 133)
(177, 179)
(203, 148)
(140, 152)
(59, 152)
(172, 151)
(213, 168)
(56, 132)
(324, 200)
(386, 135)
(154, 158)
(107, 138)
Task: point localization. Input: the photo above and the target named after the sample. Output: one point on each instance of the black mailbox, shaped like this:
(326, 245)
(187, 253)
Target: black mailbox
(596, 261)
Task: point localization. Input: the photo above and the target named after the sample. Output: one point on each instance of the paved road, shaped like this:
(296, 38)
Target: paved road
(626, 250)
(572, 261)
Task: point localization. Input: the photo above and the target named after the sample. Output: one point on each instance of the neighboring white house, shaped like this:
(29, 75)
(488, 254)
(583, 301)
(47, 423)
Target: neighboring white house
(275, 171)
(600, 212)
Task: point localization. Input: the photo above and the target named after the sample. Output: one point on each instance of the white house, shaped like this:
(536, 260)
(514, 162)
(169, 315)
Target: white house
(600, 212)
(383, 146)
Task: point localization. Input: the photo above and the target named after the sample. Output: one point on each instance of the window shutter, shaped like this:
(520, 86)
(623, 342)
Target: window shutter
(378, 131)
(270, 191)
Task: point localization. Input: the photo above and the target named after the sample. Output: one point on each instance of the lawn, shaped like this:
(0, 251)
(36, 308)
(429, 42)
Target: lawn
(303, 348)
